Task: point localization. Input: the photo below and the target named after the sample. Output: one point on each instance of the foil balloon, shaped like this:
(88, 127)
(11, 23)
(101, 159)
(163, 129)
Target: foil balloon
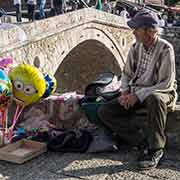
(28, 83)
(51, 85)
(5, 99)
(29, 86)
(5, 62)
(5, 90)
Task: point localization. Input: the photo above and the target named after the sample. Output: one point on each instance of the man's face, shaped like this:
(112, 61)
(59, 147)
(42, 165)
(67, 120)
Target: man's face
(140, 34)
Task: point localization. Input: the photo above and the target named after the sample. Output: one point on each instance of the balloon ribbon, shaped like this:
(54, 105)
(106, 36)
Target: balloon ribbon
(18, 112)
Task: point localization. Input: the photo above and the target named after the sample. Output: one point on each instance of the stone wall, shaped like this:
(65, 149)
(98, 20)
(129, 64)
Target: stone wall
(75, 46)
(173, 36)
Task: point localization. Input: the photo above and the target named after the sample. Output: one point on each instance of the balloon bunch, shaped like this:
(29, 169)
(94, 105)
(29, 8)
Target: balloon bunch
(27, 85)
(6, 64)
(5, 97)
(51, 85)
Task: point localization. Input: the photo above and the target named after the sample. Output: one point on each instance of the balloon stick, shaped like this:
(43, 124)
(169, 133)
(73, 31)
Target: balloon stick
(18, 112)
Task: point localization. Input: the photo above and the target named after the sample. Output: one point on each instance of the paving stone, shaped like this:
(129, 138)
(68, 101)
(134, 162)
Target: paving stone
(168, 170)
(46, 175)
(94, 166)
(127, 175)
(103, 166)
(162, 172)
(2, 177)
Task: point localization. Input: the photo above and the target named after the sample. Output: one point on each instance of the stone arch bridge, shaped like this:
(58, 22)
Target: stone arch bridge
(75, 46)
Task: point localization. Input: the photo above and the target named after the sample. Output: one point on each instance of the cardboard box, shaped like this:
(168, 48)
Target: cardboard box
(22, 151)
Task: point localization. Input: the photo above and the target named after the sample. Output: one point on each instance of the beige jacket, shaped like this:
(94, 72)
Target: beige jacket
(159, 76)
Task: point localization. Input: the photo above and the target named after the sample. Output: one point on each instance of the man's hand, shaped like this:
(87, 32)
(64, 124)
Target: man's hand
(132, 99)
(123, 98)
(128, 100)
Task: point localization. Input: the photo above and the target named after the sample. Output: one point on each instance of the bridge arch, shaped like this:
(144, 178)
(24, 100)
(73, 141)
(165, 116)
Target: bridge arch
(92, 52)
(90, 32)
(83, 63)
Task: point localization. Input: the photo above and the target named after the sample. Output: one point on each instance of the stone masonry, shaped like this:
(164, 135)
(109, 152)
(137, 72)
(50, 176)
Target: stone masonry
(87, 41)
(76, 46)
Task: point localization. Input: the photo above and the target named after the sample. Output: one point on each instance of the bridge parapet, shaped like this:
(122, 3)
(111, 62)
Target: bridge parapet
(93, 39)
(43, 28)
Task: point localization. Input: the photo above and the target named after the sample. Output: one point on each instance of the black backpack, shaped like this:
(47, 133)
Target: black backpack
(96, 88)
(70, 141)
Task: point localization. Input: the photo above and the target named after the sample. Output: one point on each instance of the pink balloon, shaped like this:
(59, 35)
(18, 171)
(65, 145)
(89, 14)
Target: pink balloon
(6, 61)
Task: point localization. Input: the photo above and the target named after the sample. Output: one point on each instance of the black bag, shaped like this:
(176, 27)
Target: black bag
(71, 141)
(96, 88)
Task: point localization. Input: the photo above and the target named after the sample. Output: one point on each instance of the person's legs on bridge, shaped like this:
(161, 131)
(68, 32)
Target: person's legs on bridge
(18, 13)
(41, 9)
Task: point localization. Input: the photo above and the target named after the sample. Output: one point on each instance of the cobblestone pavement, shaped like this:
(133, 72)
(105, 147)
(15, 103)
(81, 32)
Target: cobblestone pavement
(103, 166)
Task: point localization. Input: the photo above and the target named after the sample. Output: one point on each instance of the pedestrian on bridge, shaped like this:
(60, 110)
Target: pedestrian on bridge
(106, 6)
(147, 81)
(41, 9)
(98, 5)
(31, 5)
(59, 6)
(124, 13)
(17, 4)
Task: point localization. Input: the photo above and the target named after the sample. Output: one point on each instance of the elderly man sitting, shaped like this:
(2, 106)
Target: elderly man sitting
(148, 80)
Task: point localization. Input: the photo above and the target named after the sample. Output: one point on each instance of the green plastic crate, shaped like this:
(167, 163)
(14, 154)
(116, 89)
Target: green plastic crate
(91, 111)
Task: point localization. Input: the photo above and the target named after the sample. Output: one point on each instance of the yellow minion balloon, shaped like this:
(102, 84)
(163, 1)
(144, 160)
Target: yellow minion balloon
(29, 84)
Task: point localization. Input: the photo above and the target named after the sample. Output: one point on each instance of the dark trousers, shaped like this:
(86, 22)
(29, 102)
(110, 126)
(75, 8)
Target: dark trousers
(18, 13)
(59, 6)
(31, 12)
(121, 121)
